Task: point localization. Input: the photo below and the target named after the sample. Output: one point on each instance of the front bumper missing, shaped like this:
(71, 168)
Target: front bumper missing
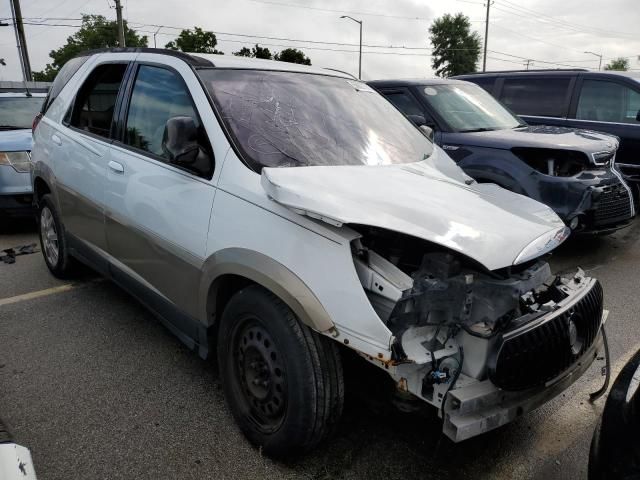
(481, 407)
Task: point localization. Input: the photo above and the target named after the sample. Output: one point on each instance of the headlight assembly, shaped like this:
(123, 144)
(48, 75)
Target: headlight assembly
(20, 161)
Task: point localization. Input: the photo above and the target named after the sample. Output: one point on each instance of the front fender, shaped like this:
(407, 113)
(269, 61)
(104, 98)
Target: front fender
(264, 271)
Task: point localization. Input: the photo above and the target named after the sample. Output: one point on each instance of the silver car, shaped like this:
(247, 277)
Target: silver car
(278, 215)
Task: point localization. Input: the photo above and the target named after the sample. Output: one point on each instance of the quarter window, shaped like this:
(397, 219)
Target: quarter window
(544, 97)
(96, 100)
(605, 101)
(158, 95)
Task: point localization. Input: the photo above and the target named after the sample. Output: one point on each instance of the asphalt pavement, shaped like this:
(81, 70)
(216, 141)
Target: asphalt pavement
(97, 388)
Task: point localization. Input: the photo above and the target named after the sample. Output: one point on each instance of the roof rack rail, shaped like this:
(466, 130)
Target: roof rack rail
(530, 70)
(342, 71)
(190, 59)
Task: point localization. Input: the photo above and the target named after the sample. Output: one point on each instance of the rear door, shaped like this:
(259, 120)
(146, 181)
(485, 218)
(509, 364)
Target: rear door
(80, 153)
(612, 106)
(539, 100)
(157, 213)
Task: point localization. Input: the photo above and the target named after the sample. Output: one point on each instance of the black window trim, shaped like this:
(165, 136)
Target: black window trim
(110, 139)
(123, 113)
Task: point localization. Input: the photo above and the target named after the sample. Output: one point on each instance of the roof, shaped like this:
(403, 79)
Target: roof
(411, 82)
(16, 86)
(231, 61)
(23, 94)
(587, 73)
(204, 60)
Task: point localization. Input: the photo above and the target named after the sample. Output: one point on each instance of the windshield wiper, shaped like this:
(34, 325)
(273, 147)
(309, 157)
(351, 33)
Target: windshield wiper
(481, 129)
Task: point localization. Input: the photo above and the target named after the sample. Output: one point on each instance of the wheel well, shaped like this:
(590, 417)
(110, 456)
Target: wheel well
(40, 189)
(221, 291)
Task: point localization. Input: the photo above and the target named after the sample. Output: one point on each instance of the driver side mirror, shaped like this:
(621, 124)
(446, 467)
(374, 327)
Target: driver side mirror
(418, 120)
(180, 144)
(427, 131)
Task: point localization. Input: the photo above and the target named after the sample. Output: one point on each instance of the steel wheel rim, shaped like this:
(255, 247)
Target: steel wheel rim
(260, 375)
(49, 236)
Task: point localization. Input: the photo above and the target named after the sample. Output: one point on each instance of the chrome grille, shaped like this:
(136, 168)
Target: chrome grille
(526, 358)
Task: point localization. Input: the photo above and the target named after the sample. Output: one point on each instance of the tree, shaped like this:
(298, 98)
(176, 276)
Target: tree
(292, 55)
(195, 41)
(95, 32)
(255, 52)
(620, 63)
(456, 49)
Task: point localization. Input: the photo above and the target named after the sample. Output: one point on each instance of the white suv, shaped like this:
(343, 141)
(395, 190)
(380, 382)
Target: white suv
(287, 213)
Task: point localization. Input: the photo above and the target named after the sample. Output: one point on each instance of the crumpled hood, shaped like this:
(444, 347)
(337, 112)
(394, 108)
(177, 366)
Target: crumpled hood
(16, 140)
(538, 136)
(482, 221)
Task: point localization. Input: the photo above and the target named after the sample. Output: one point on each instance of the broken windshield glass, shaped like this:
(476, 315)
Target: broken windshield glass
(288, 119)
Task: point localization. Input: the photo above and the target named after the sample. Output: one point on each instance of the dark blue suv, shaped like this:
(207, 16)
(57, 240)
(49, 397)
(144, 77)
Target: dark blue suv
(570, 170)
(604, 101)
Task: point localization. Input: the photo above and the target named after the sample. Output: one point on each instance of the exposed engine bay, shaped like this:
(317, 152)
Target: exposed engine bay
(450, 316)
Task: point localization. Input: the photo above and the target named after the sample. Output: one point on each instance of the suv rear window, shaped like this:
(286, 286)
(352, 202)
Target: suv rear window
(543, 97)
(96, 99)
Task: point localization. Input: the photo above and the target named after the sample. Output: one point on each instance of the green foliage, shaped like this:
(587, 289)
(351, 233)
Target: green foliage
(620, 63)
(292, 55)
(195, 41)
(255, 52)
(456, 49)
(96, 32)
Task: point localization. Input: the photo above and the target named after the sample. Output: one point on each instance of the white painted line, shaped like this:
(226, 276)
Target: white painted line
(40, 293)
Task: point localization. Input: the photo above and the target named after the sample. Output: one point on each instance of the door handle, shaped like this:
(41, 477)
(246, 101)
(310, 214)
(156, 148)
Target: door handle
(56, 139)
(116, 167)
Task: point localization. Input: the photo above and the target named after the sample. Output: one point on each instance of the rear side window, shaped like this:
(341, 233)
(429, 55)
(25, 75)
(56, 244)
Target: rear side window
(158, 95)
(404, 102)
(604, 101)
(67, 71)
(96, 100)
(544, 97)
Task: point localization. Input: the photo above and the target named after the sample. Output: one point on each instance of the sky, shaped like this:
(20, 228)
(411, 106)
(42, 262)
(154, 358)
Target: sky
(395, 32)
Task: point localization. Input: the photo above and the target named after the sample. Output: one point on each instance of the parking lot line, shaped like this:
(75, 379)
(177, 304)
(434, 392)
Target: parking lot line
(37, 294)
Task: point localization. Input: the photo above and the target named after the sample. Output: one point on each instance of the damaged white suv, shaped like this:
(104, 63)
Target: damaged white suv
(286, 212)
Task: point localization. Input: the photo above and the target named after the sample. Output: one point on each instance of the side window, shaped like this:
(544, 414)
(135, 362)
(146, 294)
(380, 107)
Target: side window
(544, 97)
(67, 71)
(404, 102)
(158, 95)
(605, 101)
(96, 99)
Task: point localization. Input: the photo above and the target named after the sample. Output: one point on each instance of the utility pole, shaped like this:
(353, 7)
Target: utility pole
(121, 42)
(528, 62)
(486, 38)
(360, 56)
(21, 40)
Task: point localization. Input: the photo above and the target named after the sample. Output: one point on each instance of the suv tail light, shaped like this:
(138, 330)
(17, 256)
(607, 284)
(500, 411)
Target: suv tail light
(36, 121)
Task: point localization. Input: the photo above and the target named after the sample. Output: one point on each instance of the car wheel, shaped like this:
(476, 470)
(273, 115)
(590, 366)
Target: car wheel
(52, 240)
(282, 381)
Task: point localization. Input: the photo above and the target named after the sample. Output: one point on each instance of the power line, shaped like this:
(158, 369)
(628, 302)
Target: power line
(307, 7)
(531, 15)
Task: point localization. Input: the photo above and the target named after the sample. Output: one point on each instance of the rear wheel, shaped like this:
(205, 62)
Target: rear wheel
(283, 382)
(52, 240)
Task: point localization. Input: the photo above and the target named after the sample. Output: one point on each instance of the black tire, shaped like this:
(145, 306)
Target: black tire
(298, 398)
(62, 266)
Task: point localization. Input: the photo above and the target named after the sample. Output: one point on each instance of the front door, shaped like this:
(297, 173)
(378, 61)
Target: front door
(157, 212)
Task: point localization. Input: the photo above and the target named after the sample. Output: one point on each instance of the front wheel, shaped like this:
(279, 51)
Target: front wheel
(282, 381)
